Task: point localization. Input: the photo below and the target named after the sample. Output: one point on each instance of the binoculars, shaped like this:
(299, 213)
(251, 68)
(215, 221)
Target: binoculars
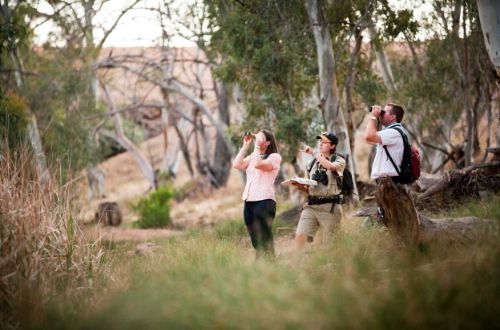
(249, 134)
(371, 108)
(320, 177)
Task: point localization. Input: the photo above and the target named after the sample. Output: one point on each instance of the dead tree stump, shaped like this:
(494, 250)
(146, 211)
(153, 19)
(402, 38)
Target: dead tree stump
(406, 224)
(399, 213)
(108, 214)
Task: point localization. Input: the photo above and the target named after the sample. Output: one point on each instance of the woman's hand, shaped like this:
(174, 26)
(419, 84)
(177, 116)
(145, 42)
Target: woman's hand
(247, 139)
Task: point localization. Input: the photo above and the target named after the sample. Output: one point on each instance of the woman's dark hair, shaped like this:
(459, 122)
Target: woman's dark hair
(272, 147)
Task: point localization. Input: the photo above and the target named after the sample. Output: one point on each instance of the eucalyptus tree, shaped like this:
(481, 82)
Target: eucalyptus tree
(290, 59)
(190, 21)
(268, 53)
(448, 85)
(14, 36)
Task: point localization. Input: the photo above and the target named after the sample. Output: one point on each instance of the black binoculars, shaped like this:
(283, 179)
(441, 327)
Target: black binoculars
(320, 177)
(381, 111)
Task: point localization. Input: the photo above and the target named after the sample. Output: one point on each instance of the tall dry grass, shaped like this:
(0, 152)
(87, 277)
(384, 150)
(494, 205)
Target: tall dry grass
(44, 254)
(362, 280)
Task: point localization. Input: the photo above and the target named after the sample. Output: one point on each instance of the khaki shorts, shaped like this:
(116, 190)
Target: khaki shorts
(314, 217)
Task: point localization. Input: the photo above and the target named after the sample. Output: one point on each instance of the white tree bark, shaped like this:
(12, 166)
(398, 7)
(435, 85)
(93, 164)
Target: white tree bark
(329, 96)
(383, 64)
(33, 132)
(489, 11)
(121, 138)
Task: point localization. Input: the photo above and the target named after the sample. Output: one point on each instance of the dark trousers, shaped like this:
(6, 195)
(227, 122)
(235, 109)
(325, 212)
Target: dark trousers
(259, 218)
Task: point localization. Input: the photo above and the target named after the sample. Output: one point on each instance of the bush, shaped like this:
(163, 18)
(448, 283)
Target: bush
(154, 210)
(13, 118)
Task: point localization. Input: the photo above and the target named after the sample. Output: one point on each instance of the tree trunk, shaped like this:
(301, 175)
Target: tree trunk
(33, 132)
(399, 213)
(489, 11)
(183, 144)
(383, 64)
(219, 126)
(348, 91)
(329, 98)
(411, 227)
(120, 137)
(221, 164)
(414, 55)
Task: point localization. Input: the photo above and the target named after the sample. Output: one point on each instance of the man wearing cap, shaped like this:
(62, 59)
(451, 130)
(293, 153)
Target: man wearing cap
(322, 209)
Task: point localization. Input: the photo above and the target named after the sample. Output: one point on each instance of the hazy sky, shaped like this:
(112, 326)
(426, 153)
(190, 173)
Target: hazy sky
(138, 27)
(141, 27)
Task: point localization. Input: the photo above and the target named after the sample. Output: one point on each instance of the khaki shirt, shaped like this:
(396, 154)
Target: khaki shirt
(332, 189)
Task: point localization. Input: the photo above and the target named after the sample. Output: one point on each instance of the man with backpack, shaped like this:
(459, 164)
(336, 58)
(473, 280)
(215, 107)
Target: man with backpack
(395, 160)
(323, 207)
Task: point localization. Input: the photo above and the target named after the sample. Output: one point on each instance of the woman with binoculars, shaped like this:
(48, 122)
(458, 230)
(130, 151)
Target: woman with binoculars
(262, 167)
(323, 207)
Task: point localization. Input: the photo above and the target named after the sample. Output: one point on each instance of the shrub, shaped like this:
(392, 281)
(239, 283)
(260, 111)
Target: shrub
(154, 210)
(13, 118)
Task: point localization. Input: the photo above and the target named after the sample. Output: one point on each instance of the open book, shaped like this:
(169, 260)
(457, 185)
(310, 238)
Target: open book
(304, 181)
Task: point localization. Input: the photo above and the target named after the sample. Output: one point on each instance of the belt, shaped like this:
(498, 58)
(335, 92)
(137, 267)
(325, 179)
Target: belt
(312, 200)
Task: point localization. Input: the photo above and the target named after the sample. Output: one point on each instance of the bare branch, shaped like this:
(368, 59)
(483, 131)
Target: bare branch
(115, 23)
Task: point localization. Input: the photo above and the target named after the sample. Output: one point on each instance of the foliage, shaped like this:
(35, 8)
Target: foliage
(59, 96)
(261, 42)
(154, 210)
(452, 78)
(13, 119)
(370, 88)
(14, 32)
(271, 55)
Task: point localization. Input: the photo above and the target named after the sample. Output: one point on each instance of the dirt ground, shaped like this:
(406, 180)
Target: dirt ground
(125, 184)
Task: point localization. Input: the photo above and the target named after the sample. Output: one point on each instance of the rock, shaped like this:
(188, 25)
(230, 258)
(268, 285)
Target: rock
(108, 214)
(145, 248)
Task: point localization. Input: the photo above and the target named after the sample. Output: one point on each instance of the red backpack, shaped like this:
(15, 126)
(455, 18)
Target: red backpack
(410, 164)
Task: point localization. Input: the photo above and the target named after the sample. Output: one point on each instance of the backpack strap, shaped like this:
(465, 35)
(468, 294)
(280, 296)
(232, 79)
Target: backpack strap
(389, 155)
(392, 160)
(314, 161)
(310, 166)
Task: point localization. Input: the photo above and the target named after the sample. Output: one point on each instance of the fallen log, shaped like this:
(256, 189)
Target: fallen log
(454, 229)
(400, 216)
(456, 185)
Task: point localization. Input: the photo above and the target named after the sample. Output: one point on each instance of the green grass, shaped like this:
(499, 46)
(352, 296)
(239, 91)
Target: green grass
(488, 208)
(362, 280)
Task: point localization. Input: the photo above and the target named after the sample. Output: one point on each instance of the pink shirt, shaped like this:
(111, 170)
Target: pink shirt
(260, 184)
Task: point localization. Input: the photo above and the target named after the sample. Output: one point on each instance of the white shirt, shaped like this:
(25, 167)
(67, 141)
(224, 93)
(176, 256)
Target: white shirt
(382, 166)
